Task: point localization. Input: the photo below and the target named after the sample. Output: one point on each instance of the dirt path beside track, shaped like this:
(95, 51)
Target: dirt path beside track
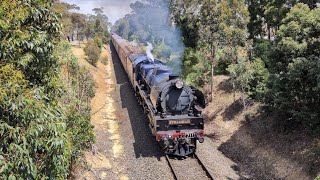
(119, 152)
(104, 118)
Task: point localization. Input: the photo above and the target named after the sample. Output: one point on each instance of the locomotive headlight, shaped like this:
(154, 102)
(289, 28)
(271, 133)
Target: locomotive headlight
(179, 84)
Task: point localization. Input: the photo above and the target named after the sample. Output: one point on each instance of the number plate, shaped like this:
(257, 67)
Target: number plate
(174, 122)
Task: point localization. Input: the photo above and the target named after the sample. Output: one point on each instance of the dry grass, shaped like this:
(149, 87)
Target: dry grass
(104, 116)
(255, 143)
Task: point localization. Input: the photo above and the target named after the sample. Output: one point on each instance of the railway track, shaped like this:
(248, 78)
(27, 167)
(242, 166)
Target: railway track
(192, 168)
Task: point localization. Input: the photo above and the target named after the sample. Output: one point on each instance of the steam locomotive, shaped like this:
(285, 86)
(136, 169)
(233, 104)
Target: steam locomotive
(173, 108)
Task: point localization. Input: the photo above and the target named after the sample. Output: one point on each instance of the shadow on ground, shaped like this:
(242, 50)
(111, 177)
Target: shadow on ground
(226, 86)
(262, 151)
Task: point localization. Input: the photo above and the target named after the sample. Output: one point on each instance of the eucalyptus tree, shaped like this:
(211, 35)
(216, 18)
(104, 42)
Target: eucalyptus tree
(223, 29)
(41, 132)
(33, 143)
(296, 67)
(186, 15)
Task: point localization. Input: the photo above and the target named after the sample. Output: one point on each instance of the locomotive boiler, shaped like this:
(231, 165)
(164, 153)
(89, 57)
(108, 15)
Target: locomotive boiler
(173, 108)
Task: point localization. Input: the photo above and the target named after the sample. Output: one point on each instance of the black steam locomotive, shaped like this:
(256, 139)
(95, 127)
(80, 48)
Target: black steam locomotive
(173, 108)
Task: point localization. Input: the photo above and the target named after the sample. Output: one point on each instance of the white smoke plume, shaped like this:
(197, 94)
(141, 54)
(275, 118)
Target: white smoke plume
(148, 52)
(152, 21)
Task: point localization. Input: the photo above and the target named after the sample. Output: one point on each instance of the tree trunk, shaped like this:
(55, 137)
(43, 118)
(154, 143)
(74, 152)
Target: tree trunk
(212, 82)
(212, 68)
(234, 92)
(243, 100)
(269, 32)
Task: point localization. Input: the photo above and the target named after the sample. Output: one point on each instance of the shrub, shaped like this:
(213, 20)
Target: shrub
(262, 49)
(38, 137)
(33, 136)
(224, 57)
(250, 77)
(33, 143)
(106, 37)
(93, 51)
(79, 89)
(98, 41)
(259, 79)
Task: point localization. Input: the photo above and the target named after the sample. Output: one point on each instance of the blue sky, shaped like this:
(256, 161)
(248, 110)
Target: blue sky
(114, 9)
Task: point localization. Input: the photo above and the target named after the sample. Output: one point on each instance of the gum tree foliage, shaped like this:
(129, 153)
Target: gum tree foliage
(266, 15)
(93, 51)
(196, 68)
(33, 140)
(295, 81)
(78, 90)
(78, 24)
(36, 141)
(250, 77)
(219, 29)
(232, 29)
(186, 14)
(81, 26)
(100, 25)
(28, 33)
(64, 8)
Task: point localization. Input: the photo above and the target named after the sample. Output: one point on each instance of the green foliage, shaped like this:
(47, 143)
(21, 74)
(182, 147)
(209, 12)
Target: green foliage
(266, 16)
(259, 80)
(295, 66)
(162, 51)
(38, 124)
(215, 30)
(250, 77)
(241, 74)
(149, 23)
(81, 25)
(199, 74)
(188, 21)
(121, 27)
(98, 41)
(79, 89)
(263, 49)
(106, 37)
(256, 18)
(92, 51)
(224, 56)
(26, 44)
(33, 140)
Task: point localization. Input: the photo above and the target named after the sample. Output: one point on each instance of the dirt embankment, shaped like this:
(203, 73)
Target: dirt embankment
(124, 145)
(103, 118)
(255, 143)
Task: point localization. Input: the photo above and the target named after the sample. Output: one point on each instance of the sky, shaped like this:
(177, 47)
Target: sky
(114, 9)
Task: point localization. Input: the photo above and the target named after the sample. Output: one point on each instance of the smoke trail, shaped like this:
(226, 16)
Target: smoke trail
(151, 21)
(148, 52)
